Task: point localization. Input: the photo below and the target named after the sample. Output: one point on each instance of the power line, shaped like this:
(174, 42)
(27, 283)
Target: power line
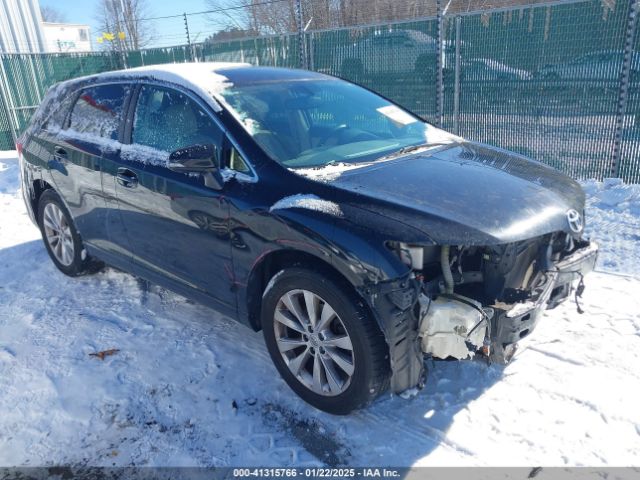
(217, 10)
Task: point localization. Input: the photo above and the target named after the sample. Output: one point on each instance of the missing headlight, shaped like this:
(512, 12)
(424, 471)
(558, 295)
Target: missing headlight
(414, 256)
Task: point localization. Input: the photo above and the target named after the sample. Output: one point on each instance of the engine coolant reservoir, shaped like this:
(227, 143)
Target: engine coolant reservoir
(445, 325)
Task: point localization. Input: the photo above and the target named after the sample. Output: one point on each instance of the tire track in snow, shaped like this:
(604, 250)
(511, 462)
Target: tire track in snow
(389, 420)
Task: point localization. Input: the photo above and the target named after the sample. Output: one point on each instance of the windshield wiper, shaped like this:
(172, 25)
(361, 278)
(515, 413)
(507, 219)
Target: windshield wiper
(409, 149)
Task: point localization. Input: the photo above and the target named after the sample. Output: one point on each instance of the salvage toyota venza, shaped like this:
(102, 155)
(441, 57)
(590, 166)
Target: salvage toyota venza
(359, 238)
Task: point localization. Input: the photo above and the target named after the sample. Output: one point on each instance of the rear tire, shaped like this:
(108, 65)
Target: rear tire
(336, 379)
(61, 237)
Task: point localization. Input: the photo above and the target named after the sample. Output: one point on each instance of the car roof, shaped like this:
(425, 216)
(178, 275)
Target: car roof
(208, 79)
(212, 74)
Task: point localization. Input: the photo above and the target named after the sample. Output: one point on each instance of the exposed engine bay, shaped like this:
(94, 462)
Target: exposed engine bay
(481, 300)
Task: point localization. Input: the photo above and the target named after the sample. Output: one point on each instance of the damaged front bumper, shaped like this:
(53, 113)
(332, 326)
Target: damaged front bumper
(515, 322)
(393, 304)
(401, 307)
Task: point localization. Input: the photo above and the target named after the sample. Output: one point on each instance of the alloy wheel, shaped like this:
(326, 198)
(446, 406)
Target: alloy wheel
(314, 342)
(58, 234)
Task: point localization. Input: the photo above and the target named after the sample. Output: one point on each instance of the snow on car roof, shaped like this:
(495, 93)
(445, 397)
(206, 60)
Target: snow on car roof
(190, 73)
(202, 77)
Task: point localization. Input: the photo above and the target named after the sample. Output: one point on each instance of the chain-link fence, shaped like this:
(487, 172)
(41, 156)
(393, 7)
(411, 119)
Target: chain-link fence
(24, 79)
(559, 82)
(545, 82)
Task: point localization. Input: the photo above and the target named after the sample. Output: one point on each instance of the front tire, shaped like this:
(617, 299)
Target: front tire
(61, 237)
(323, 341)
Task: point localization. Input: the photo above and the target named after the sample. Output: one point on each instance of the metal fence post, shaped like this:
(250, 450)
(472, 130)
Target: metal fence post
(186, 28)
(311, 52)
(456, 85)
(623, 95)
(439, 66)
(301, 46)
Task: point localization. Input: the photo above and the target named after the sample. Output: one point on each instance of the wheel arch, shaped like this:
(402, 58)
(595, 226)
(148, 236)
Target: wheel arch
(38, 187)
(273, 262)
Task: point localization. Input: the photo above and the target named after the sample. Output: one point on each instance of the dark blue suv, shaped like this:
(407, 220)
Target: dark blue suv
(358, 237)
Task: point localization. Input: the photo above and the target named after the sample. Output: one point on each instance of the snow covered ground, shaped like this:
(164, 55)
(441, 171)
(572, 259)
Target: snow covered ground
(189, 387)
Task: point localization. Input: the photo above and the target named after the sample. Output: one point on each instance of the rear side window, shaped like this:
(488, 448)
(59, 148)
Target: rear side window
(98, 111)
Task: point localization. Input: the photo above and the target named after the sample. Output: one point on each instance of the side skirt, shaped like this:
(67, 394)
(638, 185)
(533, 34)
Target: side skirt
(127, 265)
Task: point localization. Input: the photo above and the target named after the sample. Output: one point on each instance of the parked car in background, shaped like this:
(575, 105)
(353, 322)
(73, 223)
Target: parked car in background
(488, 69)
(600, 65)
(393, 52)
(357, 237)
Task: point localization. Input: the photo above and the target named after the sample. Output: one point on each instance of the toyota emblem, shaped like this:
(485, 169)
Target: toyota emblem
(575, 221)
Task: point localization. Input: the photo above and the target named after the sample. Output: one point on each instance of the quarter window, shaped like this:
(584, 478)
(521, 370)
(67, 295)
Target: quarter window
(167, 120)
(237, 163)
(98, 111)
(58, 118)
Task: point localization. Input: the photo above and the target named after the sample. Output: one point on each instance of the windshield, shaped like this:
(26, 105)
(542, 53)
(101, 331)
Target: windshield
(313, 123)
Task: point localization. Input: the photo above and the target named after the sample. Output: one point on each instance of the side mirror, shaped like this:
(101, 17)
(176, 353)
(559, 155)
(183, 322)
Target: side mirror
(194, 158)
(197, 159)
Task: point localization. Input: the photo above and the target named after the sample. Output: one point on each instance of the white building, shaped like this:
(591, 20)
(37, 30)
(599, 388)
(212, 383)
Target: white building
(20, 26)
(66, 37)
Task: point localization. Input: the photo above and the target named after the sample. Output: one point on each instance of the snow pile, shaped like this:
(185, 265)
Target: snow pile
(613, 220)
(190, 387)
(309, 202)
(9, 174)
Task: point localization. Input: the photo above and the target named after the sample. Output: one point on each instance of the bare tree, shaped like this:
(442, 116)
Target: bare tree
(127, 16)
(279, 16)
(260, 16)
(52, 14)
(229, 15)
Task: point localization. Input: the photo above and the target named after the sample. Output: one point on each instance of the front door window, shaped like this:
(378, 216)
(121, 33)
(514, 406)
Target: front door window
(167, 120)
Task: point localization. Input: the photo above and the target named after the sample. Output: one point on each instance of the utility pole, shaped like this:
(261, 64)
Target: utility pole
(186, 28)
(120, 28)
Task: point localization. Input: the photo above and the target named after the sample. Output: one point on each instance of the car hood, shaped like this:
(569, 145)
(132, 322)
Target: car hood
(465, 193)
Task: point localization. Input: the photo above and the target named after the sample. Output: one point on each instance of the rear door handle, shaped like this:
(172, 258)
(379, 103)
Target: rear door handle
(127, 178)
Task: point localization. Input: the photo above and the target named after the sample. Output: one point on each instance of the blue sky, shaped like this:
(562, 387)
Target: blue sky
(166, 32)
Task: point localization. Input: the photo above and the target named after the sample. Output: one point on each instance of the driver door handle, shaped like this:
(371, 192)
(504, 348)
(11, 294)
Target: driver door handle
(59, 152)
(127, 178)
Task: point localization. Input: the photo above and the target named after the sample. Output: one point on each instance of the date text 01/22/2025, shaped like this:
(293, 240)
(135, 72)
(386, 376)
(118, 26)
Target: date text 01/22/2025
(316, 472)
